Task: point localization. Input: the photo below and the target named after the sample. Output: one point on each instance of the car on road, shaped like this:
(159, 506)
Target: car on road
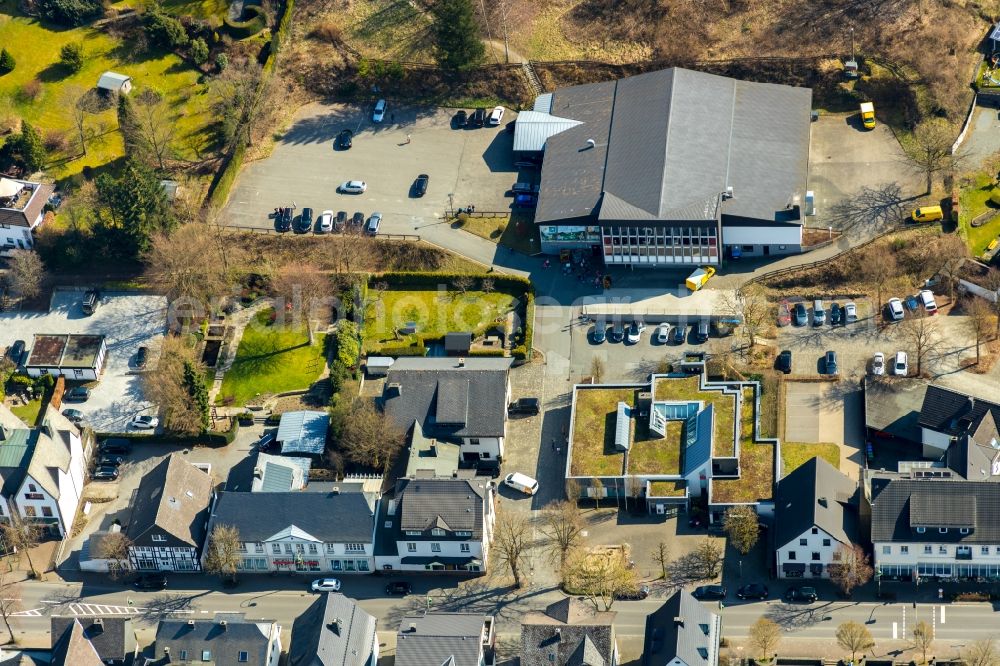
(77, 394)
(16, 351)
(324, 223)
(836, 315)
(398, 587)
(635, 594)
(850, 313)
(895, 309)
(345, 139)
(801, 314)
(496, 116)
(358, 219)
(353, 187)
(460, 119)
(325, 585)
(617, 332)
(801, 594)
(283, 220)
(105, 473)
(599, 333)
(709, 592)
(75, 416)
(752, 591)
(878, 364)
(109, 460)
(340, 221)
(662, 333)
(141, 356)
(374, 222)
(784, 313)
(900, 366)
(115, 445)
(378, 115)
(150, 582)
(144, 422)
(420, 185)
(635, 330)
(305, 223)
(830, 362)
(524, 406)
(783, 362)
(521, 482)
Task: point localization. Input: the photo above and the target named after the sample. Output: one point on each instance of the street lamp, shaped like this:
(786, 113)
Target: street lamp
(741, 568)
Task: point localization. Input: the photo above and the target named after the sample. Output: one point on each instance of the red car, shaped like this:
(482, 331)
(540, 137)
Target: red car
(784, 313)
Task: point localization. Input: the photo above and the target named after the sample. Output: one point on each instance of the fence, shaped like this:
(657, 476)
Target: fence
(479, 213)
(271, 230)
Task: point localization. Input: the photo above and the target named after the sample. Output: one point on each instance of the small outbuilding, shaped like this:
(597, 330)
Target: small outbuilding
(76, 357)
(303, 433)
(114, 82)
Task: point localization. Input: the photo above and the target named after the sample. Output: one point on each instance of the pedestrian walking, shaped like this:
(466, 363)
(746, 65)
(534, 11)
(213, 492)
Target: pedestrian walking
(552, 443)
(407, 139)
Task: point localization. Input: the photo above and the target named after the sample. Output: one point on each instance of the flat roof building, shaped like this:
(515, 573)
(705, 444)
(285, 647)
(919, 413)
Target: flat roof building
(77, 357)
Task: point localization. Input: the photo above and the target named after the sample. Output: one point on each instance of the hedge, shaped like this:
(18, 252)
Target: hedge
(224, 180)
(204, 439)
(529, 327)
(421, 279)
(485, 352)
(403, 350)
(253, 21)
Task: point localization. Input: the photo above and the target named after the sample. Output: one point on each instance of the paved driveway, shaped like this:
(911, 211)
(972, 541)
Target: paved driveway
(814, 412)
(473, 165)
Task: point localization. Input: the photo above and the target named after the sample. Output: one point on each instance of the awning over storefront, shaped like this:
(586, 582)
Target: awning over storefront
(458, 561)
(793, 567)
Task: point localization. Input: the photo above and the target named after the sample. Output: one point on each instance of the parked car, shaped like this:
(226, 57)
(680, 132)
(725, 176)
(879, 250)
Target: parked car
(325, 585)
(784, 361)
(617, 332)
(635, 594)
(77, 394)
(266, 441)
(680, 335)
(378, 115)
(373, 224)
(752, 591)
(900, 366)
(16, 351)
(358, 219)
(830, 362)
(911, 303)
(525, 200)
(850, 313)
(91, 299)
(802, 594)
(420, 185)
(701, 331)
(635, 330)
(115, 445)
(784, 313)
(398, 587)
(460, 119)
(141, 355)
(600, 333)
(819, 312)
(478, 118)
(144, 422)
(927, 300)
(896, 309)
(105, 473)
(345, 139)
(662, 333)
(709, 592)
(353, 187)
(305, 223)
(340, 221)
(150, 582)
(324, 224)
(75, 416)
(836, 315)
(801, 314)
(109, 460)
(496, 116)
(878, 364)
(283, 220)
(527, 406)
(521, 482)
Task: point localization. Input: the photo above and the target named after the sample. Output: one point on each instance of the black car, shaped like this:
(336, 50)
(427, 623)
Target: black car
(150, 582)
(16, 351)
(420, 185)
(478, 118)
(116, 446)
(635, 594)
(283, 220)
(340, 221)
(398, 587)
(600, 333)
(710, 592)
(91, 299)
(528, 406)
(830, 361)
(801, 594)
(784, 361)
(344, 139)
(357, 219)
(109, 460)
(678, 335)
(460, 119)
(836, 314)
(77, 394)
(105, 473)
(617, 332)
(752, 591)
(141, 356)
(305, 223)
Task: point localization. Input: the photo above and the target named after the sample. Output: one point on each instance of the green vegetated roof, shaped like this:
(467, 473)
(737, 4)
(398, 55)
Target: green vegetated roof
(756, 482)
(593, 451)
(689, 388)
(667, 488)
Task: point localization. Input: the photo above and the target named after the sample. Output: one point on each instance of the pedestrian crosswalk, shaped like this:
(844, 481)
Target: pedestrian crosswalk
(34, 612)
(101, 609)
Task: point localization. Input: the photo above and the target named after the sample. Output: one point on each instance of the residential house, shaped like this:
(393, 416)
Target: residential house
(682, 632)
(947, 414)
(430, 456)
(169, 517)
(112, 637)
(228, 638)
(22, 209)
(452, 639)
(434, 523)
(334, 631)
(816, 514)
(568, 633)
(731, 178)
(275, 474)
(303, 433)
(73, 649)
(75, 357)
(303, 532)
(113, 82)
(459, 400)
(42, 470)
(935, 528)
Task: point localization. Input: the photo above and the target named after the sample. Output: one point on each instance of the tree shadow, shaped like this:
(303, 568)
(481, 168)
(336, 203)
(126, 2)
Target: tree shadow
(54, 72)
(163, 606)
(871, 209)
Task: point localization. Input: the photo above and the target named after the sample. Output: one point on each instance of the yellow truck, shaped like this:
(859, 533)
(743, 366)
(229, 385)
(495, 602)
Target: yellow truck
(868, 115)
(700, 276)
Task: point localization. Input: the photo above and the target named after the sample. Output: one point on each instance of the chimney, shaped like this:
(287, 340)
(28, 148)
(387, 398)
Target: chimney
(223, 624)
(394, 387)
(166, 650)
(334, 626)
(99, 621)
(412, 628)
(591, 144)
(434, 449)
(822, 502)
(678, 621)
(190, 623)
(461, 361)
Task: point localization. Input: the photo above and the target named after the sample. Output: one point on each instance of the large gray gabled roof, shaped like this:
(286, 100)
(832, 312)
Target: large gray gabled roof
(434, 639)
(333, 631)
(816, 494)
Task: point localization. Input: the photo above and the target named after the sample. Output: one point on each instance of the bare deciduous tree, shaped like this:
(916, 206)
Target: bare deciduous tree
(597, 369)
(23, 535)
(749, 305)
(463, 283)
(982, 653)
(306, 288)
(487, 285)
(511, 541)
(191, 265)
(742, 526)
(708, 556)
(165, 385)
(153, 127)
(880, 267)
(851, 568)
(930, 148)
(946, 254)
(10, 600)
(367, 437)
(78, 104)
(224, 557)
(923, 639)
(661, 555)
(854, 637)
(114, 547)
(25, 273)
(765, 635)
(598, 492)
(562, 523)
(980, 319)
(600, 576)
(923, 335)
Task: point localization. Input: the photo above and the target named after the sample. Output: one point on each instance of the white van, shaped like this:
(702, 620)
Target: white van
(522, 482)
(927, 300)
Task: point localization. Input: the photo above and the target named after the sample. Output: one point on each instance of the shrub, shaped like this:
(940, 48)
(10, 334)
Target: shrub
(403, 350)
(71, 56)
(56, 141)
(221, 61)
(253, 21)
(199, 51)
(69, 12)
(7, 62)
(31, 90)
(348, 349)
(328, 31)
(163, 29)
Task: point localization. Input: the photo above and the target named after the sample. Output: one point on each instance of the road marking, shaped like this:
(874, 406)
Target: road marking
(895, 635)
(102, 609)
(942, 614)
(34, 612)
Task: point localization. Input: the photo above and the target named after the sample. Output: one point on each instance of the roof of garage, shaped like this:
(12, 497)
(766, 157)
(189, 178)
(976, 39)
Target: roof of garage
(894, 407)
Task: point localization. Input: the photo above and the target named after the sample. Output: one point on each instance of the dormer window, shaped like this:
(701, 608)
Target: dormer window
(437, 531)
(942, 530)
(964, 530)
(921, 530)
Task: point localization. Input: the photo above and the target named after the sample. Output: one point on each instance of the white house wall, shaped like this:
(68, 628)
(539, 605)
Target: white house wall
(19, 237)
(814, 543)
(914, 554)
(779, 234)
(44, 501)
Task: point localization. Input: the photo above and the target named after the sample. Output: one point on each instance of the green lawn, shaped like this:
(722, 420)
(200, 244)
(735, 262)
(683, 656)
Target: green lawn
(36, 50)
(29, 413)
(795, 454)
(973, 202)
(723, 442)
(272, 359)
(594, 452)
(516, 231)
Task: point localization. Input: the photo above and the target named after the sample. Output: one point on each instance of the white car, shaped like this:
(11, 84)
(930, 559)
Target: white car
(899, 365)
(850, 313)
(896, 309)
(635, 330)
(325, 222)
(878, 364)
(353, 187)
(378, 115)
(927, 300)
(521, 482)
(496, 116)
(144, 422)
(662, 334)
(326, 585)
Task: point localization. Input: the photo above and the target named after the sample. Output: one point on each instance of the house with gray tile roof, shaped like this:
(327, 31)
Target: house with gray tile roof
(458, 400)
(169, 518)
(334, 631)
(226, 639)
(22, 210)
(301, 532)
(816, 514)
(947, 413)
(112, 637)
(455, 639)
(72, 648)
(274, 474)
(682, 632)
(569, 633)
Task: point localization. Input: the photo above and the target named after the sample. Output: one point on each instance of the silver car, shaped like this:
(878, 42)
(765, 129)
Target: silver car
(353, 187)
(324, 224)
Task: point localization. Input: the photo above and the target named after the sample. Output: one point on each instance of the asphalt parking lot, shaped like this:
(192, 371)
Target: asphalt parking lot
(475, 166)
(128, 321)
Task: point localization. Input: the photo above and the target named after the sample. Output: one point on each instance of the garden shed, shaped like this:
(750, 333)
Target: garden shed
(114, 82)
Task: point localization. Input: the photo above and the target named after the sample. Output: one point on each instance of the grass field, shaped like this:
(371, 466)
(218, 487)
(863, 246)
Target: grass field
(272, 359)
(516, 231)
(794, 455)
(36, 47)
(29, 412)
